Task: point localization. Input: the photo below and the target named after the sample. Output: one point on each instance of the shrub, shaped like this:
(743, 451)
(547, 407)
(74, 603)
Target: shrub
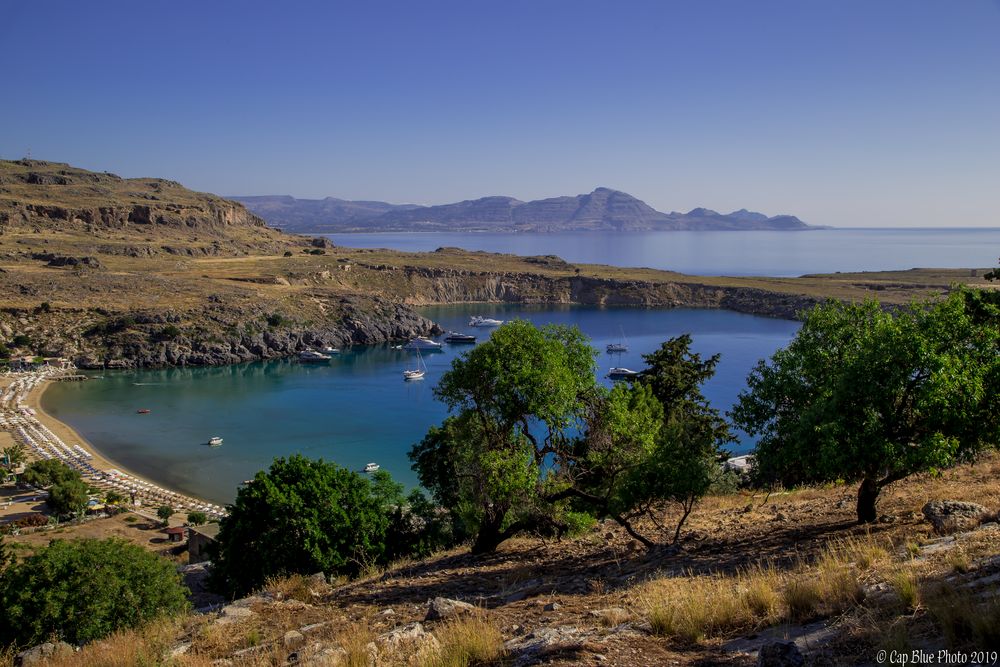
(20, 340)
(301, 516)
(67, 496)
(168, 332)
(288, 253)
(197, 518)
(45, 472)
(83, 590)
(276, 320)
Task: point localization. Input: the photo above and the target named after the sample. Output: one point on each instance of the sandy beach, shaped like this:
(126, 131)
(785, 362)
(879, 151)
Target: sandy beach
(97, 469)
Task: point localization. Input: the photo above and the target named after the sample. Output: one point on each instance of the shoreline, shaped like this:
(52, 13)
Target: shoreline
(103, 473)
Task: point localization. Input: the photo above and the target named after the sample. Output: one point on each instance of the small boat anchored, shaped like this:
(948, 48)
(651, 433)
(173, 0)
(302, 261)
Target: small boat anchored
(480, 321)
(620, 373)
(620, 346)
(418, 372)
(214, 441)
(330, 350)
(312, 356)
(422, 343)
(143, 411)
(454, 337)
(371, 467)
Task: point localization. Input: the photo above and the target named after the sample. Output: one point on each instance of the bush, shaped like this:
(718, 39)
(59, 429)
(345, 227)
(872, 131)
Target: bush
(20, 340)
(197, 518)
(276, 320)
(83, 590)
(168, 332)
(301, 516)
(67, 496)
(288, 253)
(46, 472)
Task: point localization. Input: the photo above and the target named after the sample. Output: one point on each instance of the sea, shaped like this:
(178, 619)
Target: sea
(759, 253)
(358, 409)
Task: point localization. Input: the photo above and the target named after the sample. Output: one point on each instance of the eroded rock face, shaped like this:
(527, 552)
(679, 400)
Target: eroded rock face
(951, 516)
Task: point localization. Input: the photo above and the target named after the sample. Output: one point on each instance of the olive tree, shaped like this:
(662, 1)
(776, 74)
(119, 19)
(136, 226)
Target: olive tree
(516, 400)
(83, 590)
(654, 442)
(870, 396)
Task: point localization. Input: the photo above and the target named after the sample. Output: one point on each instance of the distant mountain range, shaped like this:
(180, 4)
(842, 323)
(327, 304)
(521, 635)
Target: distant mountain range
(601, 210)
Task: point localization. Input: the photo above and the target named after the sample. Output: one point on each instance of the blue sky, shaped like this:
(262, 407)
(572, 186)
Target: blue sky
(847, 113)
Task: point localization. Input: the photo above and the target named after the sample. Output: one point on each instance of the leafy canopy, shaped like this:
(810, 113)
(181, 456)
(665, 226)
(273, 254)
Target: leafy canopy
(866, 395)
(302, 516)
(83, 590)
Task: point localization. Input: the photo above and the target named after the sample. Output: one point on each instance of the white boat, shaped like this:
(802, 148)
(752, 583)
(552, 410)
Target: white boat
(421, 343)
(619, 373)
(330, 350)
(214, 441)
(418, 372)
(371, 467)
(620, 346)
(313, 356)
(480, 321)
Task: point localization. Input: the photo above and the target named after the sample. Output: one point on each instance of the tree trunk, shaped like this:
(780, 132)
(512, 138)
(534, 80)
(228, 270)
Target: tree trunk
(490, 535)
(867, 497)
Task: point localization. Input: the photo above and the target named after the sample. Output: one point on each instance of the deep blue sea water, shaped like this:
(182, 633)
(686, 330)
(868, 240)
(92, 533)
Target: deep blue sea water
(726, 253)
(357, 408)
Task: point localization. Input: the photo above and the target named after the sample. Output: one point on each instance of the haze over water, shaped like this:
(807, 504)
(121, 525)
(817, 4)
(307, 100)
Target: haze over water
(357, 408)
(757, 253)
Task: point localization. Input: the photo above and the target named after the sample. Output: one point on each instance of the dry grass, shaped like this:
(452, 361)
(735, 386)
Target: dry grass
(292, 587)
(965, 620)
(695, 608)
(356, 642)
(467, 641)
(126, 648)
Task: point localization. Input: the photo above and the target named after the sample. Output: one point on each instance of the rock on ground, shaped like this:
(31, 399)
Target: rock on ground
(951, 516)
(442, 608)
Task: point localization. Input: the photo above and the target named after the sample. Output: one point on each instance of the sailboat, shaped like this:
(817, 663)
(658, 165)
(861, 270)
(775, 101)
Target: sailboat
(620, 346)
(418, 372)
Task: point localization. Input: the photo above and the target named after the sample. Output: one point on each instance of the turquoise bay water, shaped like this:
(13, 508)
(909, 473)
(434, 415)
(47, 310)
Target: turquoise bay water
(761, 253)
(357, 408)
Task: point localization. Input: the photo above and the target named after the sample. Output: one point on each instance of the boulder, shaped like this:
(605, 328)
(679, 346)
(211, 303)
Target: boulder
(780, 654)
(40, 655)
(410, 640)
(293, 639)
(952, 516)
(442, 608)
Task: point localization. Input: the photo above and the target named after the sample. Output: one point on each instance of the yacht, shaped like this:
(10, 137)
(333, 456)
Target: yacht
(418, 372)
(214, 441)
(330, 350)
(421, 343)
(480, 321)
(454, 337)
(371, 467)
(619, 373)
(313, 356)
(620, 346)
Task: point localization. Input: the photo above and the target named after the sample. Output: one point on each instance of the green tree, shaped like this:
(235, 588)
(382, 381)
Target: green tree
(113, 497)
(301, 516)
(517, 399)
(46, 472)
(83, 590)
(197, 518)
(164, 512)
(869, 396)
(68, 496)
(13, 456)
(654, 442)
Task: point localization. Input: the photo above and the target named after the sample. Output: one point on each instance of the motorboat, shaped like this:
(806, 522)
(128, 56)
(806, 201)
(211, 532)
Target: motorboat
(312, 356)
(330, 350)
(480, 321)
(214, 441)
(619, 373)
(418, 372)
(454, 337)
(143, 411)
(371, 467)
(421, 343)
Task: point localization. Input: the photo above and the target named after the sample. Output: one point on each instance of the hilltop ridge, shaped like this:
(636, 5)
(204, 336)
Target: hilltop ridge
(603, 209)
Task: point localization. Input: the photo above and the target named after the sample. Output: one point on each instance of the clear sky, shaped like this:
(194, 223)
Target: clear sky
(843, 112)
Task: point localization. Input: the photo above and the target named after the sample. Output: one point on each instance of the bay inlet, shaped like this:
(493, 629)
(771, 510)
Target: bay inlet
(356, 408)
